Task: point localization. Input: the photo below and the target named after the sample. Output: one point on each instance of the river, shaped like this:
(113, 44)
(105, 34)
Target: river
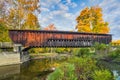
(31, 70)
(40, 69)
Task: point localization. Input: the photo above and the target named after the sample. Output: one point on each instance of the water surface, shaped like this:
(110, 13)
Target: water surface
(32, 70)
(40, 69)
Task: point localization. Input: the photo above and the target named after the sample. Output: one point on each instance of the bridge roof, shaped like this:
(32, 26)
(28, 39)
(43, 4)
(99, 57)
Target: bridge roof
(64, 32)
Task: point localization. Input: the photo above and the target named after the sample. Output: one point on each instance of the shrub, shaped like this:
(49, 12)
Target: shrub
(83, 67)
(38, 50)
(64, 72)
(102, 75)
(115, 54)
(59, 50)
(99, 47)
(75, 51)
(80, 68)
(56, 75)
(117, 51)
(63, 50)
(83, 52)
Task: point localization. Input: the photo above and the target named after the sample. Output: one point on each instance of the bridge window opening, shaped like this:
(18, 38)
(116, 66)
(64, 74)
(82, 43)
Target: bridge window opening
(77, 43)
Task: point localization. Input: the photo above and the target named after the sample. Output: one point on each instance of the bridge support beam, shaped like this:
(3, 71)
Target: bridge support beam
(24, 55)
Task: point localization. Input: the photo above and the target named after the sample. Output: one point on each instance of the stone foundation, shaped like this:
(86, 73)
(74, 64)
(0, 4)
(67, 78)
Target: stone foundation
(8, 58)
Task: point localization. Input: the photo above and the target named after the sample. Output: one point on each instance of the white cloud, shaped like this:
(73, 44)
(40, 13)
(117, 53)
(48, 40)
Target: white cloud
(59, 13)
(111, 13)
(63, 20)
(45, 9)
(73, 5)
(49, 3)
(63, 7)
(61, 17)
(43, 4)
(70, 3)
(83, 4)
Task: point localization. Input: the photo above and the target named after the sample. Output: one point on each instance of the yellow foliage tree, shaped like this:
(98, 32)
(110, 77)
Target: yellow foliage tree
(83, 21)
(4, 36)
(90, 20)
(115, 42)
(22, 14)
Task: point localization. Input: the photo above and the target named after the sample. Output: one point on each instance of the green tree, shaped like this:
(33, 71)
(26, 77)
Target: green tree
(4, 36)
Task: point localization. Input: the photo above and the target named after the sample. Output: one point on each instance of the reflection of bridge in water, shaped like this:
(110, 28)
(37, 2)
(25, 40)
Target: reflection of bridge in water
(42, 38)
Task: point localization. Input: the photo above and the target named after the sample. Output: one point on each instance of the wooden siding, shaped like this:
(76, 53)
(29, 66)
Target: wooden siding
(42, 38)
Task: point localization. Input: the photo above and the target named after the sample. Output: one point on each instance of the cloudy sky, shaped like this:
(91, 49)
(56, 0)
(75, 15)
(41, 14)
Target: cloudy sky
(62, 13)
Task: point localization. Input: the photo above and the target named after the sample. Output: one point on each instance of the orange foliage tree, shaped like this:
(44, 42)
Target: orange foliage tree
(90, 20)
(50, 27)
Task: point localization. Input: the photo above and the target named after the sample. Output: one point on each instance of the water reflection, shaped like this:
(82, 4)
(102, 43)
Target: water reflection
(32, 70)
(39, 69)
(8, 71)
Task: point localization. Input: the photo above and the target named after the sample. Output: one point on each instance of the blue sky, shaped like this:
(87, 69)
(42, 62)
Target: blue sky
(62, 13)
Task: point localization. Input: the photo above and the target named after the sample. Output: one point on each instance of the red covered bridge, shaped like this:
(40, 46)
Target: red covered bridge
(42, 38)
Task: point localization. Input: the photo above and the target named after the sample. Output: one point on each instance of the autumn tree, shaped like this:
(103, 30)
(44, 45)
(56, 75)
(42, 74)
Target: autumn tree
(23, 14)
(4, 36)
(3, 10)
(83, 21)
(50, 27)
(90, 20)
(18, 14)
(115, 42)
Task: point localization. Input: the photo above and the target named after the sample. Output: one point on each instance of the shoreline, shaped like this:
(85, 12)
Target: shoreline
(10, 61)
(55, 56)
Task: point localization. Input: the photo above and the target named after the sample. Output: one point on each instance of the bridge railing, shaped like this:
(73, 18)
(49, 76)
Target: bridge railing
(6, 44)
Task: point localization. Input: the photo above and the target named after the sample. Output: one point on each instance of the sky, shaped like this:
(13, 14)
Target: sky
(62, 13)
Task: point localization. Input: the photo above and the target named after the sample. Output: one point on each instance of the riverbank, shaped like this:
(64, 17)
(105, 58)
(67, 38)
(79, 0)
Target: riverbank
(11, 58)
(48, 55)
